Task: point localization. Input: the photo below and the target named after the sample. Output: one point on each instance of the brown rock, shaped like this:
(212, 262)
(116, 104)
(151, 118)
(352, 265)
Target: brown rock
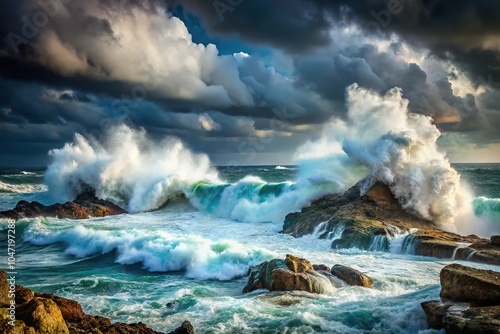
(495, 240)
(465, 284)
(186, 328)
(84, 206)
(4, 289)
(321, 267)
(351, 276)
(287, 280)
(43, 315)
(474, 320)
(71, 310)
(297, 264)
(23, 295)
(435, 310)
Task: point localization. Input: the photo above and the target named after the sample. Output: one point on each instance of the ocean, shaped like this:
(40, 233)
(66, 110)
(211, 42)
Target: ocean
(189, 258)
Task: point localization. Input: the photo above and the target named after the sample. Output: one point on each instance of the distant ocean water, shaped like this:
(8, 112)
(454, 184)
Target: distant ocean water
(189, 259)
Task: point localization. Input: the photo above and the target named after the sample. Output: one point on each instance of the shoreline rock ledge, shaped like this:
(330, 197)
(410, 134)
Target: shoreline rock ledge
(84, 206)
(371, 219)
(469, 304)
(44, 313)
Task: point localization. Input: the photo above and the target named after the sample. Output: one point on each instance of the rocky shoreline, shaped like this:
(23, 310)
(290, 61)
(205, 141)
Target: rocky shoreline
(372, 220)
(84, 206)
(46, 313)
(469, 304)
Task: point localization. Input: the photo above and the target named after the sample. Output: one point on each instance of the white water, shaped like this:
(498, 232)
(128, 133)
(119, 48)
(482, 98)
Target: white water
(211, 254)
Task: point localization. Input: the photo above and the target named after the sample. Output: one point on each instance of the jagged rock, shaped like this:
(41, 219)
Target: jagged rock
(23, 295)
(474, 320)
(495, 240)
(83, 207)
(292, 274)
(435, 310)
(4, 289)
(360, 220)
(465, 284)
(351, 276)
(297, 265)
(186, 328)
(465, 291)
(43, 315)
(321, 267)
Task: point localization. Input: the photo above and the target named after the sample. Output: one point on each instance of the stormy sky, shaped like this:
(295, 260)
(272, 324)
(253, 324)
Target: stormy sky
(246, 81)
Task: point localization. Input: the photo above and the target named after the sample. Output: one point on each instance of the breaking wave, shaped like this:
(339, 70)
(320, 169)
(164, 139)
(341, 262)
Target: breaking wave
(159, 251)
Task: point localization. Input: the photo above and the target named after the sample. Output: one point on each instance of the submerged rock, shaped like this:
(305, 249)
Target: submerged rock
(369, 220)
(44, 313)
(295, 274)
(84, 206)
(470, 301)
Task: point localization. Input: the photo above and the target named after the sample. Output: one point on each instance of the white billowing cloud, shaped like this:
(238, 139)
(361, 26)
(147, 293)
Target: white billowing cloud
(138, 46)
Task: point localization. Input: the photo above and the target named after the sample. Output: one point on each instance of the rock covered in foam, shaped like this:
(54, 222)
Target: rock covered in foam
(84, 206)
(297, 274)
(470, 301)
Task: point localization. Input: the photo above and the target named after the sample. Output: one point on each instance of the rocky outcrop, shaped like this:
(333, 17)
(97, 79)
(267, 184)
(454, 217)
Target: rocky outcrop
(297, 274)
(371, 220)
(470, 301)
(43, 313)
(84, 206)
(351, 276)
(460, 283)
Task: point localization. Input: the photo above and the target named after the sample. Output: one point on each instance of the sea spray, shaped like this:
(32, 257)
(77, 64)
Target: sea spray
(128, 168)
(383, 140)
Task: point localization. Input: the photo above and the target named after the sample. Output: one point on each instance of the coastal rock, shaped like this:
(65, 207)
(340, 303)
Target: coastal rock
(45, 313)
(351, 276)
(84, 206)
(185, 328)
(495, 240)
(297, 265)
(465, 284)
(293, 274)
(370, 219)
(470, 301)
(4, 289)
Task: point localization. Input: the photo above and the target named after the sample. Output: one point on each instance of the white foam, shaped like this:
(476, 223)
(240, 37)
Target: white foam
(159, 251)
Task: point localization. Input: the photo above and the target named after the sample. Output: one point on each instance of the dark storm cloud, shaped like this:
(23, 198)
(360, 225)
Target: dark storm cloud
(294, 25)
(465, 31)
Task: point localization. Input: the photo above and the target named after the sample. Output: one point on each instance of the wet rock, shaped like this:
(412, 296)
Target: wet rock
(4, 289)
(84, 206)
(185, 328)
(292, 274)
(43, 315)
(321, 267)
(23, 295)
(465, 284)
(297, 265)
(351, 276)
(358, 218)
(470, 301)
(495, 240)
